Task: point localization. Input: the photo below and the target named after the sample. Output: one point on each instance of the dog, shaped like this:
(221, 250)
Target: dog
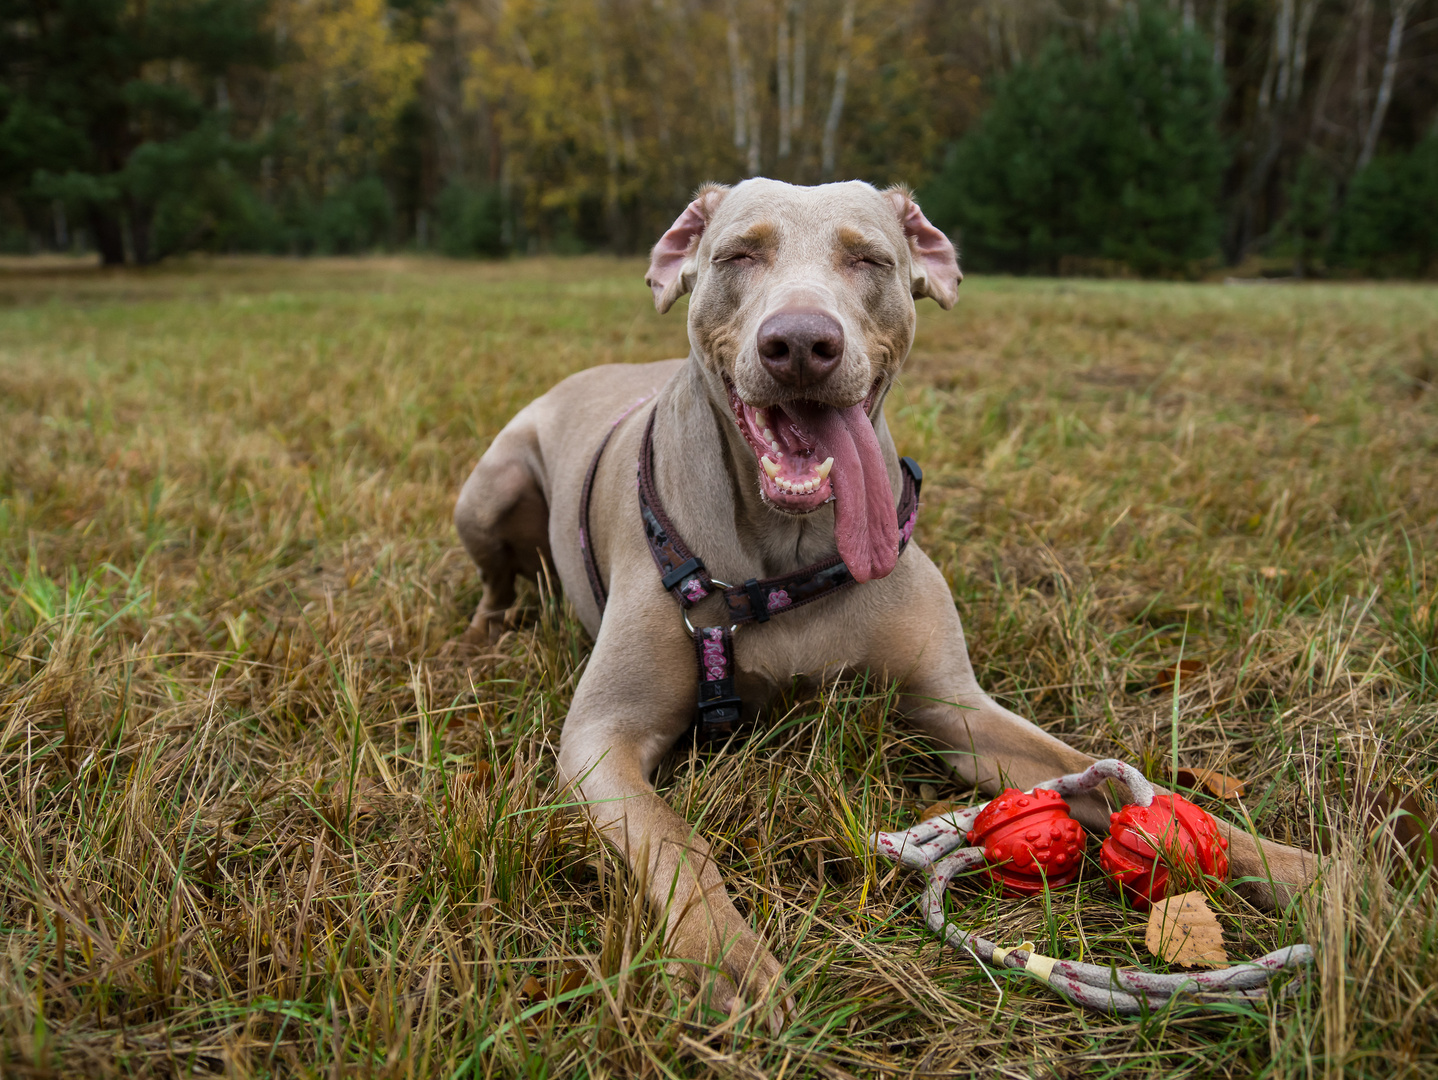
(770, 452)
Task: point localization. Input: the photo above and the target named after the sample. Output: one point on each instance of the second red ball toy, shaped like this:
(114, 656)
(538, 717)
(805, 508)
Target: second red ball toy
(1029, 840)
(1145, 843)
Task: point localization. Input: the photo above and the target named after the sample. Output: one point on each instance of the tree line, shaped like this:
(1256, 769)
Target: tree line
(1154, 136)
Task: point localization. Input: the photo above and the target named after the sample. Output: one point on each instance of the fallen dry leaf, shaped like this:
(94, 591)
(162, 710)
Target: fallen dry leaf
(1181, 672)
(1211, 781)
(533, 989)
(462, 718)
(948, 806)
(1182, 930)
(467, 783)
(1402, 817)
(476, 779)
(574, 977)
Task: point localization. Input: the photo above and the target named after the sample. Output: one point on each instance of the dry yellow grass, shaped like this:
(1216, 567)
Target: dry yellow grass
(257, 817)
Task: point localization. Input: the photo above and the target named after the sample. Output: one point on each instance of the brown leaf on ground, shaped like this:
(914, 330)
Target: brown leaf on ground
(1182, 930)
(467, 783)
(462, 717)
(948, 806)
(1211, 781)
(573, 978)
(1403, 817)
(1180, 672)
(533, 989)
(476, 778)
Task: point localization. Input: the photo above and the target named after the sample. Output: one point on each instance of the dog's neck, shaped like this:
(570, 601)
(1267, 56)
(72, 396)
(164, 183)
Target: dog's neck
(708, 479)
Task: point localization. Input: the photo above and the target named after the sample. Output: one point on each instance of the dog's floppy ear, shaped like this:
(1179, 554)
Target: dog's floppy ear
(672, 266)
(933, 265)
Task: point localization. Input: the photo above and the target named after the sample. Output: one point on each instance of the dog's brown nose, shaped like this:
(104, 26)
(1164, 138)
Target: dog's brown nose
(800, 348)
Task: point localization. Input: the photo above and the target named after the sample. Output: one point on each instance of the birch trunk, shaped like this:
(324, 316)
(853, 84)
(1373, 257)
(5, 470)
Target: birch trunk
(1220, 33)
(1300, 47)
(801, 64)
(611, 146)
(1401, 10)
(782, 77)
(1360, 64)
(841, 85)
(736, 77)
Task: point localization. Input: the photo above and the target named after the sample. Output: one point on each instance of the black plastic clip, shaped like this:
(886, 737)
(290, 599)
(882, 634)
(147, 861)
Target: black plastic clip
(689, 566)
(912, 468)
(758, 603)
(718, 709)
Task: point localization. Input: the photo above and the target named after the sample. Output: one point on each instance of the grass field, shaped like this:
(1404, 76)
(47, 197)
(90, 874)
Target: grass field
(258, 815)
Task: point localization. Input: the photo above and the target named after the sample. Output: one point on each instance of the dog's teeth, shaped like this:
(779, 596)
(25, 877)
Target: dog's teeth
(763, 418)
(769, 467)
(823, 470)
(769, 436)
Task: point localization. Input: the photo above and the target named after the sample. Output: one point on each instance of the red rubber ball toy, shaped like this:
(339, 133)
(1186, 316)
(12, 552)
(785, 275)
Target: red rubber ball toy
(1186, 835)
(1029, 839)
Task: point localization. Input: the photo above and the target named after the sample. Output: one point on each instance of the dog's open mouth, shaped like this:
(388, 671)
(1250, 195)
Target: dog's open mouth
(808, 453)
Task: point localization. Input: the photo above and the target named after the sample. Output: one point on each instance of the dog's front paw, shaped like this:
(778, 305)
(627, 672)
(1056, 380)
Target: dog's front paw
(730, 968)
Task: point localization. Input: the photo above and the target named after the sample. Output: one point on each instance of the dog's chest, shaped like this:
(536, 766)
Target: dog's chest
(811, 646)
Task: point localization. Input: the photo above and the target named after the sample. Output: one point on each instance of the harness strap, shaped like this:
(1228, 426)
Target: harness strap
(685, 576)
(586, 549)
(680, 571)
(718, 714)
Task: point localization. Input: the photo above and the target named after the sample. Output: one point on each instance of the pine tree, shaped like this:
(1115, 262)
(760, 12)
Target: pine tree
(110, 105)
(1118, 156)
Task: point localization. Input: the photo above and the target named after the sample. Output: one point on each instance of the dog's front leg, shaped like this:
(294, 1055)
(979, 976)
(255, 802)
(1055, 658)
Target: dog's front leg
(991, 747)
(635, 700)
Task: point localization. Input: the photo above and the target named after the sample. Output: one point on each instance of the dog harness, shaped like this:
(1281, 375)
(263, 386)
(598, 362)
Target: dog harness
(683, 573)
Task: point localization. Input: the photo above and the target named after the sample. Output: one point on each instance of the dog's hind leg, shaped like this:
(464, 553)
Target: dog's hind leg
(503, 519)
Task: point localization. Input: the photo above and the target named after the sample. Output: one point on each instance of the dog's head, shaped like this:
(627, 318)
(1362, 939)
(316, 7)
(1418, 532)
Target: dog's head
(803, 313)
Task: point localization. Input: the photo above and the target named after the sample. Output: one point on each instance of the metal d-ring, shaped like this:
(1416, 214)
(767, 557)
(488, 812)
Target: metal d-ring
(684, 611)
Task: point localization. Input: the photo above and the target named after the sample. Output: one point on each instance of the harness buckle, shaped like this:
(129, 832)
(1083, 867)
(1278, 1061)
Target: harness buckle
(910, 466)
(718, 711)
(758, 605)
(688, 567)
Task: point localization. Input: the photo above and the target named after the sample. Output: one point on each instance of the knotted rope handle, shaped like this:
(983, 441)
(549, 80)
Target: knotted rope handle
(930, 846)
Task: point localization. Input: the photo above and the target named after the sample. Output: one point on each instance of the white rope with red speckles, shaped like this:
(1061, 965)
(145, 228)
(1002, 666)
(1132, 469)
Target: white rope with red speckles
(930, 846)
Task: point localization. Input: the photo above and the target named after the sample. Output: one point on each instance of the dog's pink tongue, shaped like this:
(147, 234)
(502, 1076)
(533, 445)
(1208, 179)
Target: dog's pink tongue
(865, 524)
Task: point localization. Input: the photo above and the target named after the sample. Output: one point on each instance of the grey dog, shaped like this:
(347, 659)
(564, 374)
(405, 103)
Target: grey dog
(770, 452)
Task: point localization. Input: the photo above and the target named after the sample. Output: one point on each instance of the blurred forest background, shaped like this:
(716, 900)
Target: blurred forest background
(1165, 137)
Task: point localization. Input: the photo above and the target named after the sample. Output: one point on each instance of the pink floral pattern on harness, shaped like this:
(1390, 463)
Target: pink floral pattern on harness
(778, 600)
(716, 664)
(907, 529)
(693, 590)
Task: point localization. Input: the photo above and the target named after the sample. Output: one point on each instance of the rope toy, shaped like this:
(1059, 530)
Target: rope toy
(1026, 841)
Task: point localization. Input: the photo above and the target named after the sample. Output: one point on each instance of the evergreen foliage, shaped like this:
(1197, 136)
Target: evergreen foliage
(1074, 137)
(116, 108)
(471, 221)
(1389, 222)
(1115, 156)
